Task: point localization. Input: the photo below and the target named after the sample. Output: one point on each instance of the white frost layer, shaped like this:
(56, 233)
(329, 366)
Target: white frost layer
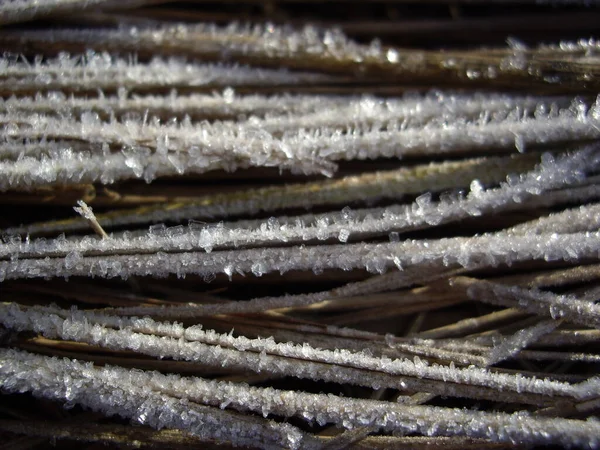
(511, 345)
(112, 392)
(547, 304)
(287, 112)
(123, 149)
(366, 187)
(550, 174)
(82, 383)
(312, 47)
(92, 71)
(164, 339)
(485, 250)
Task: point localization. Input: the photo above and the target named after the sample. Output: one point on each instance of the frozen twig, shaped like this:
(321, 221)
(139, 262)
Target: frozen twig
(146, 150)
(92, 71)
(564, 307)
(111, 393)
(550, 174)
(511, 345)
(366, 187)
(331, 51)
(485, 250)
(86, 212)
(192, 343)
(497, 427)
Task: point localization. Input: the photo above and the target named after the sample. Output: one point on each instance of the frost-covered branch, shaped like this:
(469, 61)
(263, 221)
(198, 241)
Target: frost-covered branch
(112, 393)
(195, 344)
(146, 150)
(538, 302)
(550, 174)
(511, 345)
(433, 177)
(371, 201)
(321, 408)
(487, 250)
(287, 112)
(92, 71)
(331, 51)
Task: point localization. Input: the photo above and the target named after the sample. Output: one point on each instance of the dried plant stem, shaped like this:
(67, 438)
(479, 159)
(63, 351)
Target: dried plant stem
(308, 49)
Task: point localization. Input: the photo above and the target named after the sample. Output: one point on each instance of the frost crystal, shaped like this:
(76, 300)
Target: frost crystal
(266, 236)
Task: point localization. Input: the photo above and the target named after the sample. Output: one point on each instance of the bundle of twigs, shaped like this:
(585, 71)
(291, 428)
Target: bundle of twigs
(340, 225)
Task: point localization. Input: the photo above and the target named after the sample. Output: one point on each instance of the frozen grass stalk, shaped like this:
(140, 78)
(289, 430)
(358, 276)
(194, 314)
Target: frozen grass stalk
(343, 243)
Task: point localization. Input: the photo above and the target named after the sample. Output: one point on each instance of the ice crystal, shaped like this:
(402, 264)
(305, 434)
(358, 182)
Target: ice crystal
(163, 392)
(513, 344)
(112, 393)
(147, 149)
(550, 174)
(392, 248)
(105, 71)
(368, 187)
(194, 344)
